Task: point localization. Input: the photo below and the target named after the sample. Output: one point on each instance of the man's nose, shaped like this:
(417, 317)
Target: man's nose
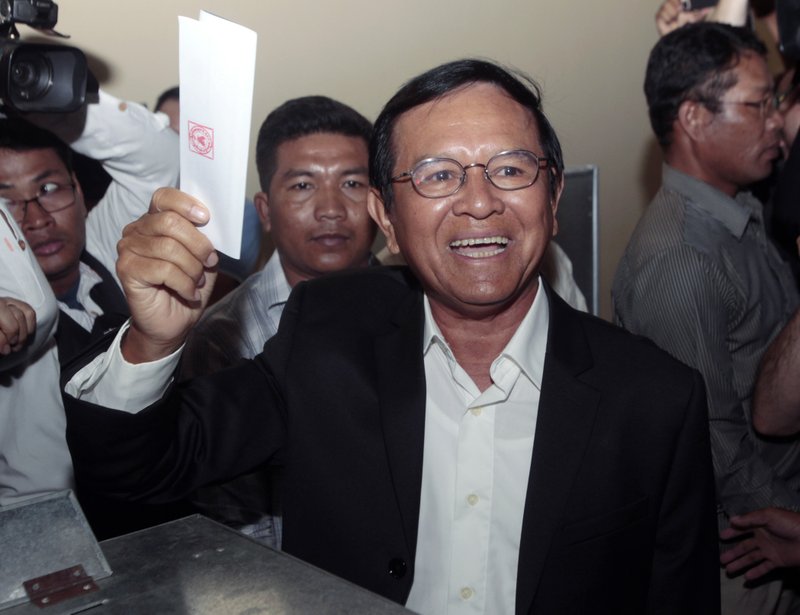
(330, 203)
(774, 119)
(477, 196)
(34, 215)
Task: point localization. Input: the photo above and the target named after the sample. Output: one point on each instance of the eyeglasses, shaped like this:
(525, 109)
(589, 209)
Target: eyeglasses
(52, 197)
(788, 96)
(766, 106)
(435, 178)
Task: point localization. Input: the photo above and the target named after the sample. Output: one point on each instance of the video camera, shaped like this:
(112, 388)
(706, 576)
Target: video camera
(788, 12)
(35, 77)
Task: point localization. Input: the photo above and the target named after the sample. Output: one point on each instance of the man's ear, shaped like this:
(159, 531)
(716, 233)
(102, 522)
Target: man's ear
(555, 201)
(693, 117)
(378, 213)
(261, 201)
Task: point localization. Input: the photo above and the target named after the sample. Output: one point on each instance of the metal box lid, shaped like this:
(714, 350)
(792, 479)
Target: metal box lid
(46, 542)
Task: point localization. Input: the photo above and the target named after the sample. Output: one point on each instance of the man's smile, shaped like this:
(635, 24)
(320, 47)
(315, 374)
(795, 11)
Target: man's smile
(479, 247)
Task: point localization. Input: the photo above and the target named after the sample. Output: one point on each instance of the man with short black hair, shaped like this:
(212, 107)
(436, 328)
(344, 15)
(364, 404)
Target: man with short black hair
(454, 436)
(312, 162)
(700, 276)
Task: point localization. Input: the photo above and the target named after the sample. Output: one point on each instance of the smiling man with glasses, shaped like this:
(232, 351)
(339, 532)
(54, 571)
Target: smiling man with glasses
(454, 436)
(700, 276)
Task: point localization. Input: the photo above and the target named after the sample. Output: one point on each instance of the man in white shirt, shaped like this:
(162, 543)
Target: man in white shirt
(34, 459)
(454, 436)
(76, 251)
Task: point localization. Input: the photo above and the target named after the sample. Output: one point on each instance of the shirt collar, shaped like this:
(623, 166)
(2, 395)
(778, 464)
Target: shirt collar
(733, 214)
(273, 271)
(526, 348)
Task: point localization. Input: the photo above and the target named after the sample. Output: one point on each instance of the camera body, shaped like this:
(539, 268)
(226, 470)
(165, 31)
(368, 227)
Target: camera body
(789, 27)
(34, 77)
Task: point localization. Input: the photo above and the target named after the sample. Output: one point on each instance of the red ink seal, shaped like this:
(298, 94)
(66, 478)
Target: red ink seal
(201, 139)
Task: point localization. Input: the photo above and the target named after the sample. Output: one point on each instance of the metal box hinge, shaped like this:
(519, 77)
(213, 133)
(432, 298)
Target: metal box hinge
(60, 585)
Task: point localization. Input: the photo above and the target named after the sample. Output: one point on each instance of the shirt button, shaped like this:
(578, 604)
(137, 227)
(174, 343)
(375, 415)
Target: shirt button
(397, 568)
(466, 593)
(476, 411)
(472, 499)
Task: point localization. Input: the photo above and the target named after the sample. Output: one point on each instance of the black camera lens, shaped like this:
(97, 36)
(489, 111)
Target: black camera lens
(31, 75)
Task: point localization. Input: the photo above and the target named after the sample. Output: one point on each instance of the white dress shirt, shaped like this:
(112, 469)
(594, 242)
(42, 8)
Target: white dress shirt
(477, 457)
(33, 454)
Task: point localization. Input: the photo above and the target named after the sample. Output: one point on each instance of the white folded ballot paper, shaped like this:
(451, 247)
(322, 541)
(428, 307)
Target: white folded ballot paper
(217, 68)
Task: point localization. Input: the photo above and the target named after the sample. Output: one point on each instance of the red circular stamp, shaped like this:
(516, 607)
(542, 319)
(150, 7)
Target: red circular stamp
(201, 139)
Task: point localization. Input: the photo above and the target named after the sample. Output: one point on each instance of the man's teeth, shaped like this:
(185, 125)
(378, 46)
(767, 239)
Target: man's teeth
(478, 241)
(500, 244)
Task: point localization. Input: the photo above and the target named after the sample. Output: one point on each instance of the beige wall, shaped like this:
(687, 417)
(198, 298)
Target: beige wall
(588, 56)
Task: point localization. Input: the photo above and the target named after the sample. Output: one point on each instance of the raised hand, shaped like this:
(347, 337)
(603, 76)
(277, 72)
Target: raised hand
(671, 16)
(166, 266)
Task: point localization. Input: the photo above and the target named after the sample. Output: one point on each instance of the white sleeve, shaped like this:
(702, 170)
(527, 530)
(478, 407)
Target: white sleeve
(21, 278)
(140, 152)
(110, 381)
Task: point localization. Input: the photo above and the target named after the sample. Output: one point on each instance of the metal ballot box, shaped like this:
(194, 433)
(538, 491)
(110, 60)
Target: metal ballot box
(195, 565)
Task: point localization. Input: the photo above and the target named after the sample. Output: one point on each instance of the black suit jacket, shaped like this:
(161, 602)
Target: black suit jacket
(620, 514)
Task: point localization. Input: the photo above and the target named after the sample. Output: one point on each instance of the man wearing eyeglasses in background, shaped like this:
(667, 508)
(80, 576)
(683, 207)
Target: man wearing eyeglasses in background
(453, 435)
(76, 250)
(700, 277)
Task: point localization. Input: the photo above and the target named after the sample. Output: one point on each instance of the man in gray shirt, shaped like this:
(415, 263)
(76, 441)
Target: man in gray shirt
(700, 276)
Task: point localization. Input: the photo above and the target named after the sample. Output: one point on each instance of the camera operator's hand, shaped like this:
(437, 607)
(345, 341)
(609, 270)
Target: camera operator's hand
(166, 267)
(17, 324)
(671, 16)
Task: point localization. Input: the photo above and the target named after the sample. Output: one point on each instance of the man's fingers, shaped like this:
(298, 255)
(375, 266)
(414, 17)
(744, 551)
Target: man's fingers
(151, 228)
(171, 199)
(742, 550)
(161, 262)
(17, 323)
(751, 520)
(756, 572)
(744, 562)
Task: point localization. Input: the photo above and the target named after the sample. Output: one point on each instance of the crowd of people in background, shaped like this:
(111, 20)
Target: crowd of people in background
(438, 422)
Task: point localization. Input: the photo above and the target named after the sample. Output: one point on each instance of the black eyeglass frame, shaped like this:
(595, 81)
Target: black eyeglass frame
(15, 205)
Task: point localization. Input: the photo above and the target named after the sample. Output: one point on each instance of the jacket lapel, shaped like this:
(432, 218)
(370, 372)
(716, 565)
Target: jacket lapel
(567, 410)
(401, 389)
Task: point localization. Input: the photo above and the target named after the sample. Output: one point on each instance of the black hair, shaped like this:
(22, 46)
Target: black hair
(171, 93)
(693, 63)
(300, 117)
(437, 83)
(19, 135)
